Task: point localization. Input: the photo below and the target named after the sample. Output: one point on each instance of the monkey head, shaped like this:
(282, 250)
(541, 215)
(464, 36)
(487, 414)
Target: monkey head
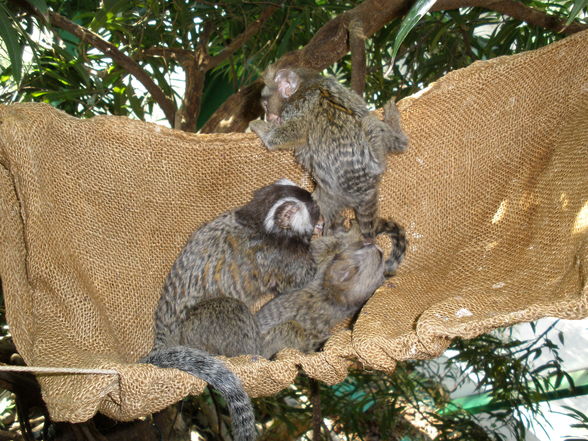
(280, 85)
(281, 210)
(355, 273)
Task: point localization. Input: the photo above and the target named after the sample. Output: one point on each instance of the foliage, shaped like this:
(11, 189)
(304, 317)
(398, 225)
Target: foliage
(582, 422)
(415, 399)
(74, 76)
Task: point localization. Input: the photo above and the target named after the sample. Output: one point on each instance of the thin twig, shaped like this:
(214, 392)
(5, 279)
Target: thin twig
(240, 40)
(124, 61)
(358, 56)
(57, 370)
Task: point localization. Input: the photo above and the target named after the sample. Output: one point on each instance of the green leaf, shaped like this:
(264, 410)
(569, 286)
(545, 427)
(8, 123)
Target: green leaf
(282, 48)
(578, 6)
(106, 15)
(40, 6)
(8, 33)
(67, 95)
(418, 10)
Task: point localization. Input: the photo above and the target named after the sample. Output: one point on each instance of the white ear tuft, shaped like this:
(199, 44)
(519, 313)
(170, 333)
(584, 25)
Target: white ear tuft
(288, 82)
(301, 220)
(285, 181)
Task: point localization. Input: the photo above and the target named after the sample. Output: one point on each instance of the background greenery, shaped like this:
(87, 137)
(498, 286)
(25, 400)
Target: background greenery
(155, 60)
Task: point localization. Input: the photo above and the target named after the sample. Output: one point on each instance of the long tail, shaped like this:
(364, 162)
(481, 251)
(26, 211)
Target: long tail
(203, 365)
(399, 242)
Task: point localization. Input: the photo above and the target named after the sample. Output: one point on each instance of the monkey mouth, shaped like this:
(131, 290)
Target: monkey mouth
(273, 118)
(318, 227)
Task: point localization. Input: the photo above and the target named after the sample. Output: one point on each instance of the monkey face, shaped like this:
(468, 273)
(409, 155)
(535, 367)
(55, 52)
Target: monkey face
(281, 210)
(272, 104)
(357, 271)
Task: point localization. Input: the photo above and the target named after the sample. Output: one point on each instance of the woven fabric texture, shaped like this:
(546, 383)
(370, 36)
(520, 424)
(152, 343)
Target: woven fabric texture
(493, 193)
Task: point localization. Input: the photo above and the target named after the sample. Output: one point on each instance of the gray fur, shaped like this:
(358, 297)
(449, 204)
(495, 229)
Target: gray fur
(334, 137)
(236, 256)
(349, 269)
(219, 376)
(226, 266)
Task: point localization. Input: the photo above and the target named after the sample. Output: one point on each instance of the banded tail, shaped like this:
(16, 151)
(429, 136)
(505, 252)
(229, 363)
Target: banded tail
(203, 365)
(399, 242)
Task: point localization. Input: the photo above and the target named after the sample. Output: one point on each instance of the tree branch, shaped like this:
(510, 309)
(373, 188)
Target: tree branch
(331, 43)
(171, 53)
(515, 10)
(358, 57)
(240, 40)
(328, 45)
(127, 63)
(199, 62)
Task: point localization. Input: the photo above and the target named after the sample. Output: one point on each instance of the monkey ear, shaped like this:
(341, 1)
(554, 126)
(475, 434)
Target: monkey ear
(288, 82)
(343, 271)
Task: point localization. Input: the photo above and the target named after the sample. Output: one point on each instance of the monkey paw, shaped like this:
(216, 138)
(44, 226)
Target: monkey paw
(259, 127)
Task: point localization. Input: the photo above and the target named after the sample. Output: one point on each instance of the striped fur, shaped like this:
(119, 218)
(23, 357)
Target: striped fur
(219, 376)
(334, 137)
(227, 265)
(349, 269)
(397, 236)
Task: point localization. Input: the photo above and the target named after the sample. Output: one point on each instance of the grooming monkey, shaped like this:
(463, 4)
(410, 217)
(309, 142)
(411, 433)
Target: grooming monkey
(258, 249)
(334, 137)
(227, 265)
(349, 269)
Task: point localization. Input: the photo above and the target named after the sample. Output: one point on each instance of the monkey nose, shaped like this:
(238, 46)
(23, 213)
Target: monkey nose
(272, 117)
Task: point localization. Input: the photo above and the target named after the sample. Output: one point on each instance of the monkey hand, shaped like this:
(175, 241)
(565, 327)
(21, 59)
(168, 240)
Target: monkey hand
(260, 128)
(278, 136)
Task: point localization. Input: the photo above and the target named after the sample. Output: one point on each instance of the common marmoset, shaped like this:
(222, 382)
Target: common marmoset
(350, 268)
(227, 265)
(334, 137)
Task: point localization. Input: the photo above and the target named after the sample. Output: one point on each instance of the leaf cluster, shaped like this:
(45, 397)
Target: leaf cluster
(415, 400)
(44, 63)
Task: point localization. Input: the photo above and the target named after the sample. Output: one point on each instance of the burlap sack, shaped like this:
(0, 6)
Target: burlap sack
(493, 193)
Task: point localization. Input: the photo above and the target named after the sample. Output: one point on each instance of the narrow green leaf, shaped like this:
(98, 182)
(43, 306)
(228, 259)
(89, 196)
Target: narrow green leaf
(578, 6)
(67, 95)
(106, 16)
(282, 48)
(8, 33)
(418, 10)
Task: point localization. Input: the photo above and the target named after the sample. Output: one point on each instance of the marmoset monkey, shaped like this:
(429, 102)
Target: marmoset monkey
(349, 269)
(225, 268)
(334, 137)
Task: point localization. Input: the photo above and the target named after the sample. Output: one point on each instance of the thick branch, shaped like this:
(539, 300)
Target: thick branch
(331, 43)
(127, 63)
(328, 45)
(199, 62)
(515, 10)
(188, 113)
(236, 112)
(358, 57)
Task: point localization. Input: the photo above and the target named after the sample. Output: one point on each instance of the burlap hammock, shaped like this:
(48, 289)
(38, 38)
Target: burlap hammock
(493, 194)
